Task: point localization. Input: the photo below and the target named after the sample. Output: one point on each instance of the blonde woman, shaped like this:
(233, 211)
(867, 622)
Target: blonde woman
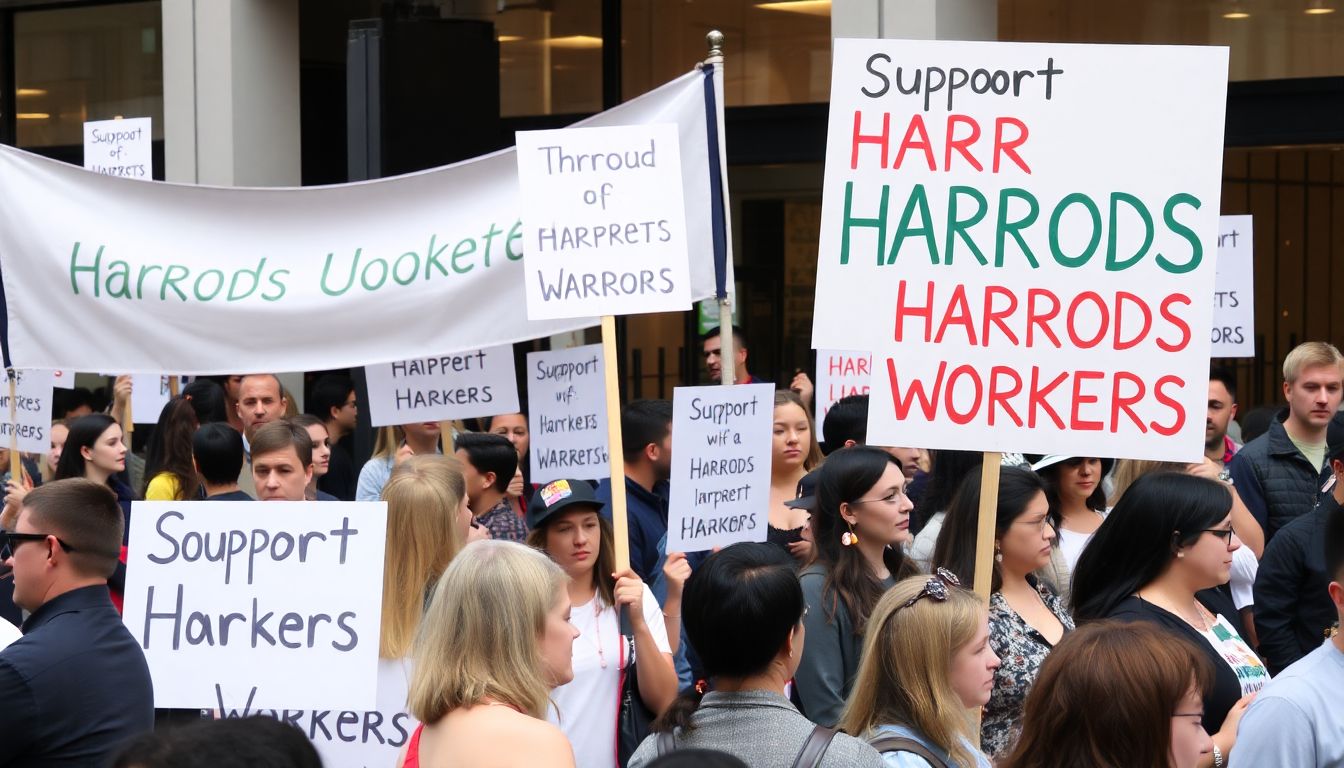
(926, 665)
(494, 641)
(392, 446)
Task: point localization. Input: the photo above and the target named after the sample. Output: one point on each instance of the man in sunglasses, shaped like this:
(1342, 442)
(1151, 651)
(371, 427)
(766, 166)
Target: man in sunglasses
(76, 684)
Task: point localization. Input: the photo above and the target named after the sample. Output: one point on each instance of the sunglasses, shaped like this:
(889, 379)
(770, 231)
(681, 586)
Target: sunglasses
(10, 541)
(935, 588)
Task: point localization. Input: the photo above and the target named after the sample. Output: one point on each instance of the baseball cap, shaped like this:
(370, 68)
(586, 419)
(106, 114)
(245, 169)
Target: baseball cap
(558, 496)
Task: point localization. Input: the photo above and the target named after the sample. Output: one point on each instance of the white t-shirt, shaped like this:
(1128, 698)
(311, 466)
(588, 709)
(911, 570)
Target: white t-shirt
(1072, 543)
(1250, 672)
(1244, 568)
(587, 705)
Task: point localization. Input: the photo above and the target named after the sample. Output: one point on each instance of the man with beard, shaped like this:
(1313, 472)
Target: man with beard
(1222, 409)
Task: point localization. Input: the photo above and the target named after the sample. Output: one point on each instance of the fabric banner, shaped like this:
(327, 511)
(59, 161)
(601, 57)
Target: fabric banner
(104, 273)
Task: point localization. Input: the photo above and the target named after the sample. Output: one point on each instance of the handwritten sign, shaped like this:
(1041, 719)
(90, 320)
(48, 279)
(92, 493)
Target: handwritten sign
(149, 394)
(477, 383)
(721, 469)
(566, 395)
(1027, 254)
(604, 222)
(119, 147)
(32, 410)
(258, 604)
(840, 373)
(1234, 289)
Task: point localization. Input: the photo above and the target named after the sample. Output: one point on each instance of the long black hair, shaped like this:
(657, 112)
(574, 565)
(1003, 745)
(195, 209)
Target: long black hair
(738, 608)
(848, 475)
(84, 432)
(169, 448)
(946, 471)
(955, 549)
(1161, 512)
(1097, 501)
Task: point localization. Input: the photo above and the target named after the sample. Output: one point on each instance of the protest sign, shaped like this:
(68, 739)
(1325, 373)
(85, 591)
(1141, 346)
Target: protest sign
(840, 373)
(258, 604)
(353, 274)
(120, 147)
(1024, 237)
(721, 468)
(567, 415)
(31, 407)
(63, 379)
(1234, 289)
(149, 393)
(480, 382)
(604, 223)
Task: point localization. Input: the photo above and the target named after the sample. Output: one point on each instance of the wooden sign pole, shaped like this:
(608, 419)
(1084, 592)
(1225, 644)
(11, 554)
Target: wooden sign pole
(616, 461)
(15, 461)
(989, 510)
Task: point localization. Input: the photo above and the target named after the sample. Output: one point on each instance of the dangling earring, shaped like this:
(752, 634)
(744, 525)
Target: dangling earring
(849, 538)
(1180, 554)
(998, 555)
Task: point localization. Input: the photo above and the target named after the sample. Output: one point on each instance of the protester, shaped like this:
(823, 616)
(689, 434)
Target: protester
(168, 464)
(76, 684)
(217, 453)
(489, 462)
(712, 346)
(1118, 695)
(793, 453)
(1295, 721)
(1027, 618)
(70, 404)
(1218, 446)
(392, 446)
(238, 742)
(94, 450)
(949, 468)
(927, 664)
(514, 427)
(1165, 546)
(282, 461)
(231, 385)
(565, 524)
(494, 641)
(862, 519)
(59, 432)
(1073, 486)
(207, 400)
(849, 426)
(743, 611)
(332, 400)
(261, 400)
(1293, 610)
(322, 453)
(1278, 474)
(646, 438)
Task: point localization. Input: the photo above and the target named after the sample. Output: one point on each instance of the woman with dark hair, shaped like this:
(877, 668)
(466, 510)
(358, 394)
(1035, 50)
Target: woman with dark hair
(1152, 686)
(94, 450)
(862, 519)
(565, 524)
(207, 400)
(743, 611)
(170, 474)
(1077, 502)
(1158, 557)
(948, 469)
(1026, 616)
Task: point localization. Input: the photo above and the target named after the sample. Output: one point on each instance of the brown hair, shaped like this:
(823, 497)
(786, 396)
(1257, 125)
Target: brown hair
(85, 516)
(606, 553)
(1137, 671)
(814, 456)
(282, 434)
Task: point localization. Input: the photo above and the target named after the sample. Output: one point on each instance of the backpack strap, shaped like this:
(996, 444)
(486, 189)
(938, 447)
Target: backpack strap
(666, 742)
(814, 749)
(886, 744)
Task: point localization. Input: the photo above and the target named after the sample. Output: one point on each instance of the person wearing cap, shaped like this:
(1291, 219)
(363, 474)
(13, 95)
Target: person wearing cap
(565, 523)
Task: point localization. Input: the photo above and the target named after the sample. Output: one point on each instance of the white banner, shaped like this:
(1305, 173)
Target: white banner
(153, 277)
(481, 382)
(1024, 236)
(258, 604)
(1234, 289)
(567, 414)
(721, 469)
(32, 411)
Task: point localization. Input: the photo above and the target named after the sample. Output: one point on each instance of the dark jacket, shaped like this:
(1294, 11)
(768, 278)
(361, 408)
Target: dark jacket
(646, 521)
(1292, 607)
(1275, 480)
(74, 687)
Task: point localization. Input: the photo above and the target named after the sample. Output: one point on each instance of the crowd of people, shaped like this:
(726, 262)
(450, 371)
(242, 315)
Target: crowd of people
(1138, 613)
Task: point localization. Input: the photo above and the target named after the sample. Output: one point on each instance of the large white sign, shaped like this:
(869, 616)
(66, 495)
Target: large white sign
(120, 147)
(149, 394)
(1234, 289)
(604, 223)
(840, 373)
(153, 277)
(567, 414)
(721, 468)
(258, 604)
(1024, 237)
(32, 411)
(479, 382)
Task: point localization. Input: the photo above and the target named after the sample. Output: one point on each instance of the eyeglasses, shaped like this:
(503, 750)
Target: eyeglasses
(935, 588)
(1197, 715)
(1223, 533)
(1039, 525)
(11, 541)
(892, 498)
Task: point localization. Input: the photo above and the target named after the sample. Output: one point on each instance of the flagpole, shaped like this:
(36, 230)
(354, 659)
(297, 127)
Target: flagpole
(727, 342)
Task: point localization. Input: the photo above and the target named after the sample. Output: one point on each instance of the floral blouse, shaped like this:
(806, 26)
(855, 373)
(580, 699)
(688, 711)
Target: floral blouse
(1021, 650)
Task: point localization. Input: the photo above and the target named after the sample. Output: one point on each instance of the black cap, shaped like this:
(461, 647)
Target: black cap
(558, 496)
(807, 492)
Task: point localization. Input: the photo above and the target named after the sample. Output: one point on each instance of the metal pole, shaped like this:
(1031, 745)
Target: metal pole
(727, 344)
